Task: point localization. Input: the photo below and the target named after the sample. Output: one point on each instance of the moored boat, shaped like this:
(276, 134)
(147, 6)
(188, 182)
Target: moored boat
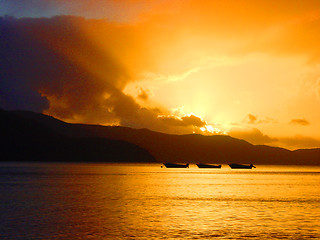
(176, 165)
(241, 166)
(203, 165)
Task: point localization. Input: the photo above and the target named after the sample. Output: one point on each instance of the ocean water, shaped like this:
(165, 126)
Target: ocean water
(133, 201)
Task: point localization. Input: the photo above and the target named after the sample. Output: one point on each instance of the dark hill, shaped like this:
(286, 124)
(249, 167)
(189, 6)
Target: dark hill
(180, 148)
(23, 138)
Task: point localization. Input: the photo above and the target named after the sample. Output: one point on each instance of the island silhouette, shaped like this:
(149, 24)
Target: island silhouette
(30, 136)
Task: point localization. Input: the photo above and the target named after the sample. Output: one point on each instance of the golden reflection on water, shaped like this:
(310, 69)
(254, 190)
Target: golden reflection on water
(221, 203)
(111, 201)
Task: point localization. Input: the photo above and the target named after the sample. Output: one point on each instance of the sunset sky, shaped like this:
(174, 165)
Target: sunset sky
(249, 69)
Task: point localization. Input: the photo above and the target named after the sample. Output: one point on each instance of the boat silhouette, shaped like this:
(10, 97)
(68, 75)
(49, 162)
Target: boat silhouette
(176, 165)
(203, 165)
(241, 166)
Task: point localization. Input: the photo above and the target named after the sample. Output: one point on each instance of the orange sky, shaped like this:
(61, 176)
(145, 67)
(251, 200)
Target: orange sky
(250, 69)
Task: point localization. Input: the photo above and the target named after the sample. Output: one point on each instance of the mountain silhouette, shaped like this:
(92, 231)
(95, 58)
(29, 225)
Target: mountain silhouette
(28, 139)
(191, 148)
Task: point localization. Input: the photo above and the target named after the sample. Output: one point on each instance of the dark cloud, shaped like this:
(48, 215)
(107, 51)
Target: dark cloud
(301, 122)
(50, 60)
(76, 70)
(115, 10)
(143, 95)
(17, 88)
(189, 120)
(193, 120)
(16, 95)
(131, 114)
(32, 8)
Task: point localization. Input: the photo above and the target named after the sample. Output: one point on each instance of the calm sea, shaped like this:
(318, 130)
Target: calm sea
(114, 201)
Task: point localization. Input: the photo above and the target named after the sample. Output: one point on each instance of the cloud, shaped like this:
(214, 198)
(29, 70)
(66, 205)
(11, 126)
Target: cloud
(298, 142)
(256, 137)
(253, 135)
(20, 8)
(301, 122)
(143, 95)
(50, 58)
(262, 26)
(187, 120)
(15, 95)
(251, 119)
(193, 120)
(119, 10)
(70, 67)
(71, 76)
(254, 119)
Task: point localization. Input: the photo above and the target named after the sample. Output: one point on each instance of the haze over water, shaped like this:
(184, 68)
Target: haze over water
(112, 201)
